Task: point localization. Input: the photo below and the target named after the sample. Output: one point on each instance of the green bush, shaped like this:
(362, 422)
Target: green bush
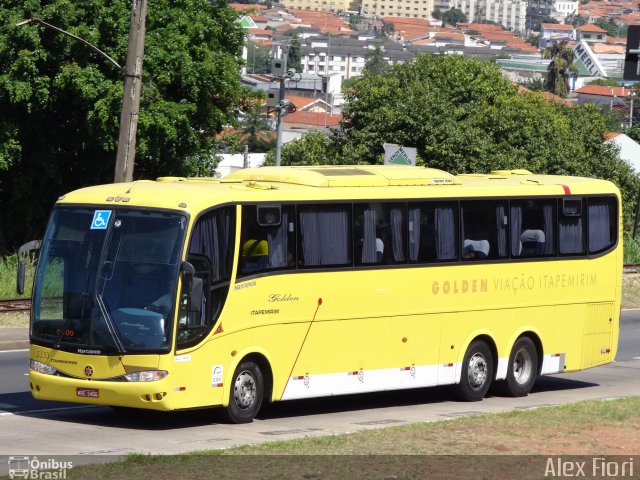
(8, 275)
(631, 250)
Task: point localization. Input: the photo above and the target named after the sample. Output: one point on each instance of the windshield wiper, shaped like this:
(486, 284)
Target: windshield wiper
(110, 326)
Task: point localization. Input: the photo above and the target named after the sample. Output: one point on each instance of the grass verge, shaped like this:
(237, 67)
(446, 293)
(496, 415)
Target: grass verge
(508, 445)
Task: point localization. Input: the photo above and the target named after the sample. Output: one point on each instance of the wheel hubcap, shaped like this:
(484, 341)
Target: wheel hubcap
(522, 366)
(477, 370)
(244, 391)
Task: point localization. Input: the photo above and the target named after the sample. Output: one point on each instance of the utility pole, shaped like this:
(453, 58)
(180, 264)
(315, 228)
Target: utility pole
(126, 153)
(281, 106)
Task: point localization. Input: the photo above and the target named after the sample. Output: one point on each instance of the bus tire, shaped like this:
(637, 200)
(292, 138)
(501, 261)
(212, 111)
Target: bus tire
(246, 394)
(477, 372)
(522, 370)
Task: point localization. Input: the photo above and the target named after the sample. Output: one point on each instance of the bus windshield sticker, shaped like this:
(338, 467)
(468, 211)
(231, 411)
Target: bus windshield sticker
(100, 219)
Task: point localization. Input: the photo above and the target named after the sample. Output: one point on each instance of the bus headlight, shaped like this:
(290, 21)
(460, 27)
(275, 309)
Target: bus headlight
(42, 367)
(147, 376)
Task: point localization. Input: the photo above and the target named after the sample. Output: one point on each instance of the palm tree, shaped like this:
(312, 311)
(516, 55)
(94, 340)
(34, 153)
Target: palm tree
(560, 68)
(256, 129)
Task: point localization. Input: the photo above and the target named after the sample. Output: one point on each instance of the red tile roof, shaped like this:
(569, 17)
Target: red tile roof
(604, 91)
(590, 27)
(319, 119)
(557, 26)
(326, 22)
(241, 7)
(548, 96)
(260, 32)
(610, 136)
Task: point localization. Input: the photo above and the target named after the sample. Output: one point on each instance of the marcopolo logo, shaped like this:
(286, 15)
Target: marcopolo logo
(32, 467)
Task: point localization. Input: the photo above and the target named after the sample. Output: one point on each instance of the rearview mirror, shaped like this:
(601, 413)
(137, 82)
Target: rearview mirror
(193, 287)
(22, 264)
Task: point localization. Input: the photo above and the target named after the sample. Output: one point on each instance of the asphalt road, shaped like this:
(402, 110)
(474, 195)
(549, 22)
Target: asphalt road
(95, 433)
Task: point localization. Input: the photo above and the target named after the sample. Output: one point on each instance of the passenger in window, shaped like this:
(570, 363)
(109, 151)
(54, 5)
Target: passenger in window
(532, 241)
(255, 254)
(475, 249)
(379, 249)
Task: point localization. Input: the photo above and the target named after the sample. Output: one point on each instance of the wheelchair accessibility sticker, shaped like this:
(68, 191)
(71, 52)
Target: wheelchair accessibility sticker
(100, 219)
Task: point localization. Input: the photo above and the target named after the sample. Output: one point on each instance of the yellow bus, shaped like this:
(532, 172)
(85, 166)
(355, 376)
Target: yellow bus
(281, 283)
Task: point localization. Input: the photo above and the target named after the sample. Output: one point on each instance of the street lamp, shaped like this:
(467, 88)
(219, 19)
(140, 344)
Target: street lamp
(125, 155)
(284, 106)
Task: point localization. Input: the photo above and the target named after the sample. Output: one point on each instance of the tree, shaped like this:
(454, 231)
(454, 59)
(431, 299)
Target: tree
(256, 128)
(293, 53)
(355, 20)
(560, 67)
(388, 29)
(312, 149)
(604, 82)
(376, 63)
(634, 133)
(612, 27)
(462, 115)
(454, 16)
(576, 19)
(533, 40)
(60, 102)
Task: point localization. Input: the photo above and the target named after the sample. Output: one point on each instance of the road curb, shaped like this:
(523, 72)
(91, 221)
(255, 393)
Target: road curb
(14, 338)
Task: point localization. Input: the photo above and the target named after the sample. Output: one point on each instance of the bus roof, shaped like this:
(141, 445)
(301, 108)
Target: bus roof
(347, 175)
(311, 183)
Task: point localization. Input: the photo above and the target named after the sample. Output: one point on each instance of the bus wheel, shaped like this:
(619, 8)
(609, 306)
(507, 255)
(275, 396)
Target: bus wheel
(477, 372)
(522, 370)
(247, 392)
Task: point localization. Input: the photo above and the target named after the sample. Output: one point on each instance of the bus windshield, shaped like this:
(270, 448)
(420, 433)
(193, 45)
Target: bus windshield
(106, 280)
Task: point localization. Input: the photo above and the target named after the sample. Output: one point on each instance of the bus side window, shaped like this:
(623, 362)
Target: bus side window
(571, 227)
(603, 223)
(267, 246)
(432, 231)
(484, 229)
(533, 227)
(324, 236)
(379, 233)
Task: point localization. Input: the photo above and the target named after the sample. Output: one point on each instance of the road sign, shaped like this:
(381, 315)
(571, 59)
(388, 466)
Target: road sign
(399, 155)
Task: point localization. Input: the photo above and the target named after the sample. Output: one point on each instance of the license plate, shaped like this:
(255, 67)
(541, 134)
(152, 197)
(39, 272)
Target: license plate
(88, 392)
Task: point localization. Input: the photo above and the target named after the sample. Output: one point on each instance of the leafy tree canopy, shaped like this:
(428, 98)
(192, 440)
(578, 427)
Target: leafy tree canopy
(376, 63)
(604, 82)
(454, 16)
(462, 115)
(612, 27)
(60, 101)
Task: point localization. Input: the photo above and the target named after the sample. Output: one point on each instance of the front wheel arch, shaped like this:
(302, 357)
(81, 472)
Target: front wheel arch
(258, 367)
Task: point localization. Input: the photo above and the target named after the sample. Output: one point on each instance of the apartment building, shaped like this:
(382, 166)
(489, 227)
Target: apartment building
(511, 14)
(322, 5)
(397, 8)
(344, 56)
